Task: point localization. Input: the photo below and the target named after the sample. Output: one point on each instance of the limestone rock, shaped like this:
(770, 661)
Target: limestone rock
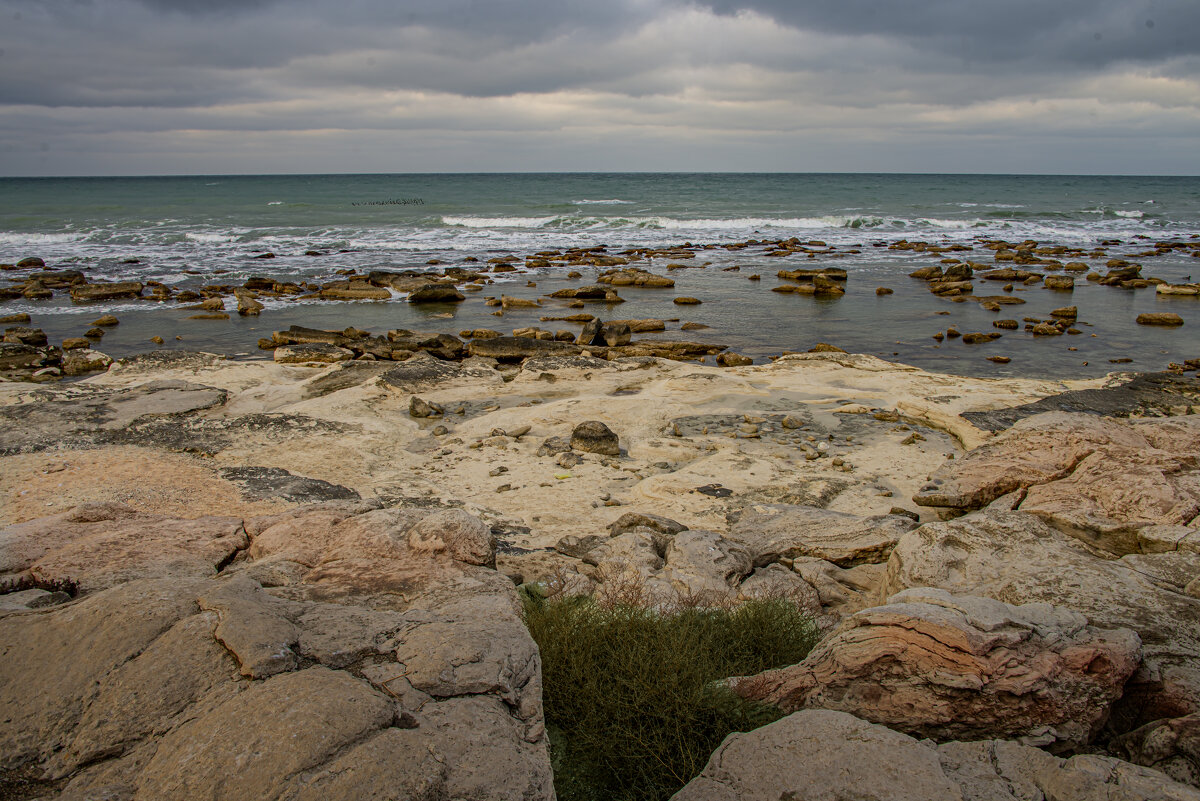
(100, 545)
(784, 531)
(1169, 745)
(1095, 478)
(1016, 558)
(942, 666)
(509, 349)
(819, 754)
(632, 520)
(436, 293)
(700, 563)
(460, 535)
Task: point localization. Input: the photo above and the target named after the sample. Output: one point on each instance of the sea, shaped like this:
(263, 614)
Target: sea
(190, 231)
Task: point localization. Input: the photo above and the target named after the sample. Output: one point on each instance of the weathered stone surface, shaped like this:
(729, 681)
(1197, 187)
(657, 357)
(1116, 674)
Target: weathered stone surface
(423, 371)
(1098, 479)
(942, 666)
(632, 520)
(367, 668)
(819, 754)
(101, 545)
(452, 531)
(235, 750)
(775, 531)
(85, 360)
(311, 352)
(1169, 745)
(593, 436)
(1016, 558)
(702, 563)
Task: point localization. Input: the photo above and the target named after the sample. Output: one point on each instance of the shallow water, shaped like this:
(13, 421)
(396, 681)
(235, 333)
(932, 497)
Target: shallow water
(191, 231)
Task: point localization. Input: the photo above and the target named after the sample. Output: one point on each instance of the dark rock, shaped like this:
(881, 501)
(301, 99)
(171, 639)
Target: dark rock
(420, 408)
(512, 349)
(595, 437)
(31, 261)
(311, 352)
(1146, 394)
(436, 293)
(82, 293)
(15, 356)
(1159, 318)
(271, 483)
(423, 371)
(632, 520)
(25, 336)
(553, 446)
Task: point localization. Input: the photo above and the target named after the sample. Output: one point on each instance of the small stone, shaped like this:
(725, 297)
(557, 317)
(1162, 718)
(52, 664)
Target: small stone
(157, 340)
(420, 408)
(687, 301)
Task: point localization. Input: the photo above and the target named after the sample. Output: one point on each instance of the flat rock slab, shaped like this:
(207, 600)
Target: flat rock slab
(424, 372)
(948, 667)
(79, 416)
(783, 531)
(1099, 479)
(1145, 394)
(101, 545)
(266, 483)
(819, 754)
(333, 660)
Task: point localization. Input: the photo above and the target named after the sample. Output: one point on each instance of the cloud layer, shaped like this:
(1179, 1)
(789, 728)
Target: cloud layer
(175, 86)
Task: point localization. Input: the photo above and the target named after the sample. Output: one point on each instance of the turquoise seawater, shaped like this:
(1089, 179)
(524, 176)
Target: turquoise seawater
(195, 230)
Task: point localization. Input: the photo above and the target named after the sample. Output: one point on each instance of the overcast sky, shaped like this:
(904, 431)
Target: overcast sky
(127, 87)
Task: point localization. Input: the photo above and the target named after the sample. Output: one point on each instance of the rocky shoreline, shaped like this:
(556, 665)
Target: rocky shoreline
(996, 275)
(199, 554)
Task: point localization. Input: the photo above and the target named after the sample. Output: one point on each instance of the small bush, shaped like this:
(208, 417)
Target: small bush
(632, 696)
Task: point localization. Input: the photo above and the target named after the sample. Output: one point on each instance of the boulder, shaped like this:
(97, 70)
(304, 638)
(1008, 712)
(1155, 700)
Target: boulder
(1062, 283)
(1017, 558)
(631, 520)
(704, 564)
(22, 335)
(1159, 318)
(82, 361)
(593, 436)
(436, 293)
(821, 754)
(942, 666)
(784, 531)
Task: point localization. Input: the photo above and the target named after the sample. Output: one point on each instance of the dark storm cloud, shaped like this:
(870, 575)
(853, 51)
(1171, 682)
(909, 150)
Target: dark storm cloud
(1084, 32)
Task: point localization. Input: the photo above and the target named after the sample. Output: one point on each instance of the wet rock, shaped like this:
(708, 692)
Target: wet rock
(595, 437)
(1062, 283)
(944, 666)
(513, 349)
(1159, 318)
(687, 301)
(82, 293)
(29, 262)
(975, 338)
(733, 360)
(436, 293)
(82, 361)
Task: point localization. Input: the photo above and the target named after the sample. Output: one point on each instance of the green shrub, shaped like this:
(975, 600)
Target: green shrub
(633, 703)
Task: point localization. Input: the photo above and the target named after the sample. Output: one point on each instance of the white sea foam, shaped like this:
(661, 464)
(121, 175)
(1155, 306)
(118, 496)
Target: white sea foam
(499, 222)
(275, 203)
(613, 202)
(1133, 214)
